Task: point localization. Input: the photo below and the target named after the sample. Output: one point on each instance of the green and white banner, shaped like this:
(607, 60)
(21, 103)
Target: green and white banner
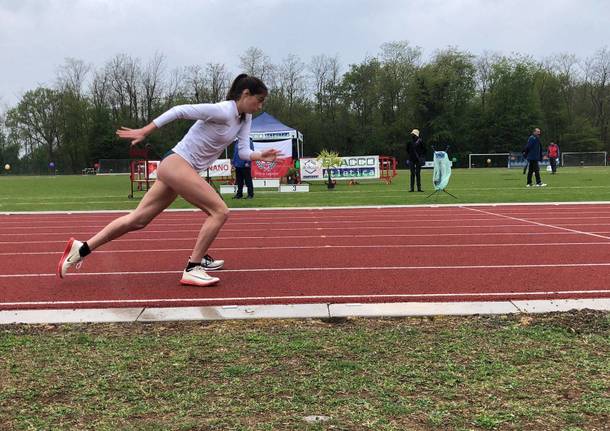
(354, 167)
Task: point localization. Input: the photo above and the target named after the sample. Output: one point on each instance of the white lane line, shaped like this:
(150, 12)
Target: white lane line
(317, 229)
(301, 297)
(235, 226)
(281, 210)
(320, 247)
(540, 224)
(328, 269)
(136, 238)
(265, 221)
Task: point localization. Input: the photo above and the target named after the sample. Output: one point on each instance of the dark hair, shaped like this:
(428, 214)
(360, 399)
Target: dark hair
(246, 82)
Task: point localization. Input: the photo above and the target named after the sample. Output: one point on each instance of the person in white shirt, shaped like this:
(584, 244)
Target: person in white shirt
(217, 126)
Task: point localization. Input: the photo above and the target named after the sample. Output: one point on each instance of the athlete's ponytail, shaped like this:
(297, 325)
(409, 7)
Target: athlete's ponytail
(246, 82)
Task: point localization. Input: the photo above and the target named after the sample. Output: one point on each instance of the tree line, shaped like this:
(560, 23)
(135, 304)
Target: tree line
(472, 104)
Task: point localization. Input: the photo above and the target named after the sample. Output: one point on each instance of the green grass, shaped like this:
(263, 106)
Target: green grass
(47, 193)
(474, 373)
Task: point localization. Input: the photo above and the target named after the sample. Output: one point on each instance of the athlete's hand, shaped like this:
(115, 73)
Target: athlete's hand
(136, 135)
(270, 155)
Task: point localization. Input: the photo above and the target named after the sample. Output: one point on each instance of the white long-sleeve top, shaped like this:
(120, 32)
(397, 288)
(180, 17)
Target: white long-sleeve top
(217, 126)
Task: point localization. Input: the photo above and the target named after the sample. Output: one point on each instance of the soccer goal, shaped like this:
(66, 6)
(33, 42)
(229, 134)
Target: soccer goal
(592, 158)
(490, 160)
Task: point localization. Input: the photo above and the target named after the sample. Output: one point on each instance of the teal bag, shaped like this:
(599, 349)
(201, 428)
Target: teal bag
(442, 170)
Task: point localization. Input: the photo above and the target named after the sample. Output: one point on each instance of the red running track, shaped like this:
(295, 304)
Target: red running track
(378, 255)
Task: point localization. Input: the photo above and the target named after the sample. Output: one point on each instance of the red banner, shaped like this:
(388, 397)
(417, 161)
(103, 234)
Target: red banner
(276, 169)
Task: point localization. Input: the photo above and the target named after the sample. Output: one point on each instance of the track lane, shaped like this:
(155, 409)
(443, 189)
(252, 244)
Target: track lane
(343, 257)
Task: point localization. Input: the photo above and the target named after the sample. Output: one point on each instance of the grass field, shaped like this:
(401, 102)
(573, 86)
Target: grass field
(48, 193)
(517, 372)
(541, 372)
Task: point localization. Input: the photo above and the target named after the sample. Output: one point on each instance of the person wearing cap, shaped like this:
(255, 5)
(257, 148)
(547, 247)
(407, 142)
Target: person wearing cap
(417, 158)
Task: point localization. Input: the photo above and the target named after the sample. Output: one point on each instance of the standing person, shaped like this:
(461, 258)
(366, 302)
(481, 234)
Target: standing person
(217, 126)
(533, 154)
(553, 154)
(417, 158)
(243, 174)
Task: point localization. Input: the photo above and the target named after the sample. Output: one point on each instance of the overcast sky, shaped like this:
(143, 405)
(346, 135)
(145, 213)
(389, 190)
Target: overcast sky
(37, 35)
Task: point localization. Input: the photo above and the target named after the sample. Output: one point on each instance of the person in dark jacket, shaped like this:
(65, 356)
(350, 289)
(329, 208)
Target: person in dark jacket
(533, 154)
(243, 174)
(417, 158)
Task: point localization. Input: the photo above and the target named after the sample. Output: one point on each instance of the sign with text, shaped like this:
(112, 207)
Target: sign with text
(279, 167)
(220, 168)
(354, 167)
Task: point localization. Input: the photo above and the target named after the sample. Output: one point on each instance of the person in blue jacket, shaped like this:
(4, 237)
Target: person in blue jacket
(243, 174)
(533, 154)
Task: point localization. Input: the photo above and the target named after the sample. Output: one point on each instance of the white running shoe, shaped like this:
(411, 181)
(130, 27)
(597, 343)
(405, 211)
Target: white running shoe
(211, 264)
(70, 257)
(540, 185)
(197, 276)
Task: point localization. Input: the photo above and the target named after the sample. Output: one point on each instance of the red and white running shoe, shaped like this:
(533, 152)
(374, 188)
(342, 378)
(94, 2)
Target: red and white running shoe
(70, 257)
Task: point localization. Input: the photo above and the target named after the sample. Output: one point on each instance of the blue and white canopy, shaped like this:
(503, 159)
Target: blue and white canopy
(266, 127)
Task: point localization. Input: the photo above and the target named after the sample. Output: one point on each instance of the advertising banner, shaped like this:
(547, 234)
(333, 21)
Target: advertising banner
(354, 167)
(277, 168)
(220, 168)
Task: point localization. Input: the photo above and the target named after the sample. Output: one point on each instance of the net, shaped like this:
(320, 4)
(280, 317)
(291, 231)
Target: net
(593, 158)
(489, 160)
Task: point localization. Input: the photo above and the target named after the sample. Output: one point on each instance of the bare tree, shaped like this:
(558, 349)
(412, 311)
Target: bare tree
(218, 78)
(326, 76)
(484, 74)
(206, 85)
(152, 82)
(99, 89)
(597, 80)
(175, 88)
(291, 81)
(255, 62)
(72, 74)
(195, 83)
(124, 74)
(566, 68)
(320, 70)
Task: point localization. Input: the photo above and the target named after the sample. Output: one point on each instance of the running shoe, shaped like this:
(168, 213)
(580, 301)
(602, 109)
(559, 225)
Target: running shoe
(211, 264)
(196, 276)
(70, 257)
(540, 185)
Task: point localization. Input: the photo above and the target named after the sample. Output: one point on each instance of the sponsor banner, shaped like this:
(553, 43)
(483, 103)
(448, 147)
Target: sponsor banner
(279, 167)
(354, 167)
(276, 169)
(220, 168)
(273, 135)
